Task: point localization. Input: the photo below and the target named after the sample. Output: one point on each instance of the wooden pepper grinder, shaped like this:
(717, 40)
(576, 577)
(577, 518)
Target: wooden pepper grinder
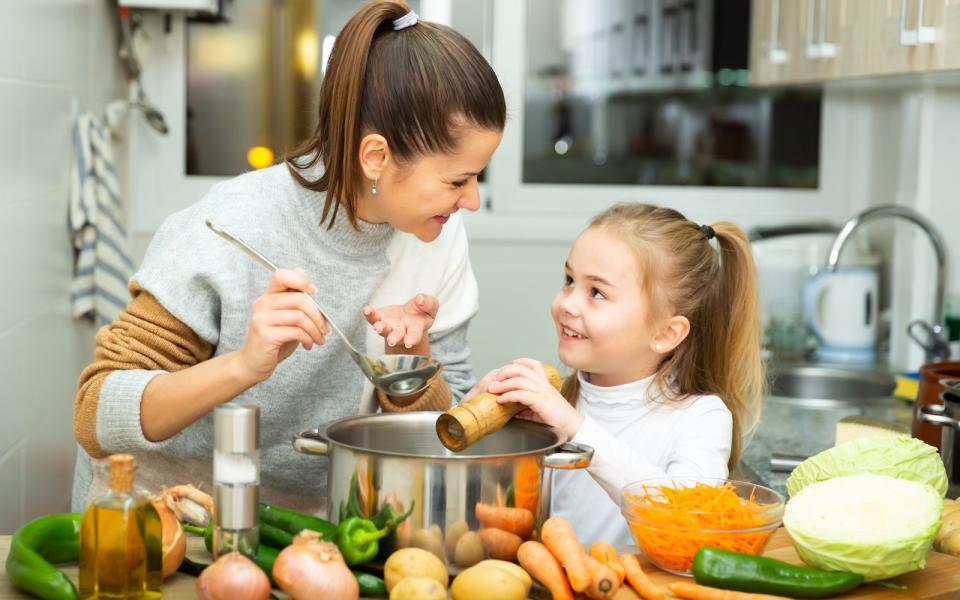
(469, 421)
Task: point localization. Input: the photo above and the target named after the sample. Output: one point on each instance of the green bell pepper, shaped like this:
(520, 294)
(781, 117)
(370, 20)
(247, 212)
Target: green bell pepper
(387, 517)
(747, 573)
(42, 541)
(357, 539)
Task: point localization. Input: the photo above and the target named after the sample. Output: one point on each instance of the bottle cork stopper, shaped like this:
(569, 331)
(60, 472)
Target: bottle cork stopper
(121, 470)
(469, 421)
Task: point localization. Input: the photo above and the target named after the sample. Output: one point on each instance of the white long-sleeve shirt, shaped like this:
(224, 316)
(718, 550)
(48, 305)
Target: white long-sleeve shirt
(637, 435)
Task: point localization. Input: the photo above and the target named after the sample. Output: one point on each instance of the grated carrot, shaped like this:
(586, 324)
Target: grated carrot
(672, 523)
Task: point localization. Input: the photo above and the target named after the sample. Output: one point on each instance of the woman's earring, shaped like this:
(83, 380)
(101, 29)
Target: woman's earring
(657, 347)
(373, 190)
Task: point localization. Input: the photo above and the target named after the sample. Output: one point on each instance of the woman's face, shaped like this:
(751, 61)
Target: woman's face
(418, 198)
(602, 316)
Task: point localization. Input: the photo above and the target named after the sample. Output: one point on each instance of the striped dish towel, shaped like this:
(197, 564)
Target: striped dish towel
(102, 265)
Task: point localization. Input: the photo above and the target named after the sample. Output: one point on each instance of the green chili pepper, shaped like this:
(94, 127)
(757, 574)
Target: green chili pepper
(294, 522)
(371, 585)
(42, 541)
(274, 536)
(747, 573)
(388, 518)
(351, 508)
(357, 540)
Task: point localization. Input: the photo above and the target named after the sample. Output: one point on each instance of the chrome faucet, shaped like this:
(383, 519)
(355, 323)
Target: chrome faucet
(936, 348)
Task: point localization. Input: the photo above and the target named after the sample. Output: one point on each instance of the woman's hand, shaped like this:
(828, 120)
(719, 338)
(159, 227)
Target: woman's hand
(283, 319)
(525, 381)
(407, 323)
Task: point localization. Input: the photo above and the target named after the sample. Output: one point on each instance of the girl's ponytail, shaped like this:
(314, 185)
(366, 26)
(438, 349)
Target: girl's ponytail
(736, 367)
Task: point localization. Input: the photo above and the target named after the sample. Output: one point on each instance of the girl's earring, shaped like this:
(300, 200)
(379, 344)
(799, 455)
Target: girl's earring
(373, 190)
(657, 347)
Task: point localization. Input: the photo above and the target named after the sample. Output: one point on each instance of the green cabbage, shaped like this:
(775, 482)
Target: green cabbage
(898, 456)
(873, 525)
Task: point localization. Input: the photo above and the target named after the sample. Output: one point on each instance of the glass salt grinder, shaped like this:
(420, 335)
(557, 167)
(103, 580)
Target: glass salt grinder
(236, 479)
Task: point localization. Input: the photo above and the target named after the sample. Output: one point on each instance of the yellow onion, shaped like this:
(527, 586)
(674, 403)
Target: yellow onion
(174, 542)
(310, 568)
(233, 577)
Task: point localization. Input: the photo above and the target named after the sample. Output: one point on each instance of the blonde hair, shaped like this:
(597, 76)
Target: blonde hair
(682, 274)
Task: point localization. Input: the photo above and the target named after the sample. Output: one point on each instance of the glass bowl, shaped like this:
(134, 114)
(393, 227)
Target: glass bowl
(673, 517)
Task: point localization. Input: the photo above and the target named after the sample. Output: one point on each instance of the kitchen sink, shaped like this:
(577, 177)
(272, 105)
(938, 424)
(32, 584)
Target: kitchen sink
(828, 387)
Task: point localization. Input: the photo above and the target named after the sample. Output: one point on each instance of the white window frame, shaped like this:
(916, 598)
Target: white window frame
(158, 184)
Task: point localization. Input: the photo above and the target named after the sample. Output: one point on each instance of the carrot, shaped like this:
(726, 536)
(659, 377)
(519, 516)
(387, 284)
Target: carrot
(639, 581)
(544, 567)
(692, 591)
(526, 484)
(607, 555)
(558, 536)
(668, 522)
(500, 544)
(603, 581)
(514, 520)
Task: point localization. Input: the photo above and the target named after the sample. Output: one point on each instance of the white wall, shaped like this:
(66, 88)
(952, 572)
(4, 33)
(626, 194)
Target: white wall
(56, 57)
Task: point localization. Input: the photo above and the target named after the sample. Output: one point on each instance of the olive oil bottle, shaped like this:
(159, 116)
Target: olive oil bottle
(121, 541)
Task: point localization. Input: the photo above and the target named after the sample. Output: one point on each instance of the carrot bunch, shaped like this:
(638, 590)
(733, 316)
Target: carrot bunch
(672, 523)
(562, 566)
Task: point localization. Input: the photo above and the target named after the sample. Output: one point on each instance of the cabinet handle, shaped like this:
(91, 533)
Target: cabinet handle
(921, 34)
(778, 55)
(818, 46)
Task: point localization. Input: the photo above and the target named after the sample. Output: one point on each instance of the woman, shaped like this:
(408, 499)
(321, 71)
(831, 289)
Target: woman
(364, 214)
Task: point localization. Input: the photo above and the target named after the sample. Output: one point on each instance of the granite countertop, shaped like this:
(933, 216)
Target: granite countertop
(789, 429)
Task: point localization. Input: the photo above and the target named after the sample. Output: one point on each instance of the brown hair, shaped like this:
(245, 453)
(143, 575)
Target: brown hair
(417, 87)
(682, 274)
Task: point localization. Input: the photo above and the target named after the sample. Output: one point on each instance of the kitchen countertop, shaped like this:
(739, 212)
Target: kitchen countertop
(786, 428)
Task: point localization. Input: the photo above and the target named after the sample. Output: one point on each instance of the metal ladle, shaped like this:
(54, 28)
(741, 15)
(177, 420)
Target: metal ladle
(394, 374)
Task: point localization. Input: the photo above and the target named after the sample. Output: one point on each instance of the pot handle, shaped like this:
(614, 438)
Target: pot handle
(310, 442)
(933, 413)
(569, 455)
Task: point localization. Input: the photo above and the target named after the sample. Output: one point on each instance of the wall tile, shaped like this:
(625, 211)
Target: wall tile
(35, 232)
(11, 491)
(13, 36)
(55, 47)
(11, 147)
(46, 147)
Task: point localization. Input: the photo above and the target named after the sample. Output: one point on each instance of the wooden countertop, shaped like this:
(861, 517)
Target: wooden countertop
(940, 580)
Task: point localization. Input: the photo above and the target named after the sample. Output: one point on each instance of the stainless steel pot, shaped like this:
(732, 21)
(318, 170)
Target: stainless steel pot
(397, 458)
(947, 415)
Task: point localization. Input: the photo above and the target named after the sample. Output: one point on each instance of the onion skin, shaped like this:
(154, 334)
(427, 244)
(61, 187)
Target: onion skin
(310, 569)
(233, 577)
(174, 541)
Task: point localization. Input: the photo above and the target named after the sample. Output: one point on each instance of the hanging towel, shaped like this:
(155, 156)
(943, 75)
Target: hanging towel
(102, 264)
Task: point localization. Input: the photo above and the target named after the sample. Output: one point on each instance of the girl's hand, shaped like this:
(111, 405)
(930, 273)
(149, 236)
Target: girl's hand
(525, 381)
(282, 319)
(407, 323)
(481, 386)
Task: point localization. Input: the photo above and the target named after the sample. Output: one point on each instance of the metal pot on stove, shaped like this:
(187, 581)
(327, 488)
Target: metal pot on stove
(397, 459)
(947, 416)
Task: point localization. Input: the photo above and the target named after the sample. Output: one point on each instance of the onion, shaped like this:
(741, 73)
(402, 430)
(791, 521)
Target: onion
(233, 577)
(310, 568)
(174, 542)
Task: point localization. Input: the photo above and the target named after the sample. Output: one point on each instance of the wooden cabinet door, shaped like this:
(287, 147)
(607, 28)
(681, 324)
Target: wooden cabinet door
(768, 55)
(946, 48)
(903, 35)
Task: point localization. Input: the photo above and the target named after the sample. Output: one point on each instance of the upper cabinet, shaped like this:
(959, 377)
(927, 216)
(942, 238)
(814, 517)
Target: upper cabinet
(797, 41)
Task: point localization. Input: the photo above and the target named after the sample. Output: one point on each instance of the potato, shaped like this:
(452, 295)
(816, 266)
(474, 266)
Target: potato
(951, 543)
(418, 588)
(488, 583)
(950, 522)
(437, 533)
(427, 540)
(454, 531)
(469, 550)
(512, 568)
(414, 562)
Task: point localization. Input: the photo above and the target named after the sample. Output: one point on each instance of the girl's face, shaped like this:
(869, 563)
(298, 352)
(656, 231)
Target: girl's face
(419, 198)
(602, 316)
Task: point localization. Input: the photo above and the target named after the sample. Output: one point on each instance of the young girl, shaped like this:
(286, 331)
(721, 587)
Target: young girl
(658, 316)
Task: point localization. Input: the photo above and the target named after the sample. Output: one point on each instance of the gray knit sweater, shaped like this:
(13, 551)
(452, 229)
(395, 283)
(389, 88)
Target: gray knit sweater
(210, 285)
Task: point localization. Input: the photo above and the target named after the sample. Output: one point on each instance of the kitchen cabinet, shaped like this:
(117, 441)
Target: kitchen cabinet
(798, 41)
